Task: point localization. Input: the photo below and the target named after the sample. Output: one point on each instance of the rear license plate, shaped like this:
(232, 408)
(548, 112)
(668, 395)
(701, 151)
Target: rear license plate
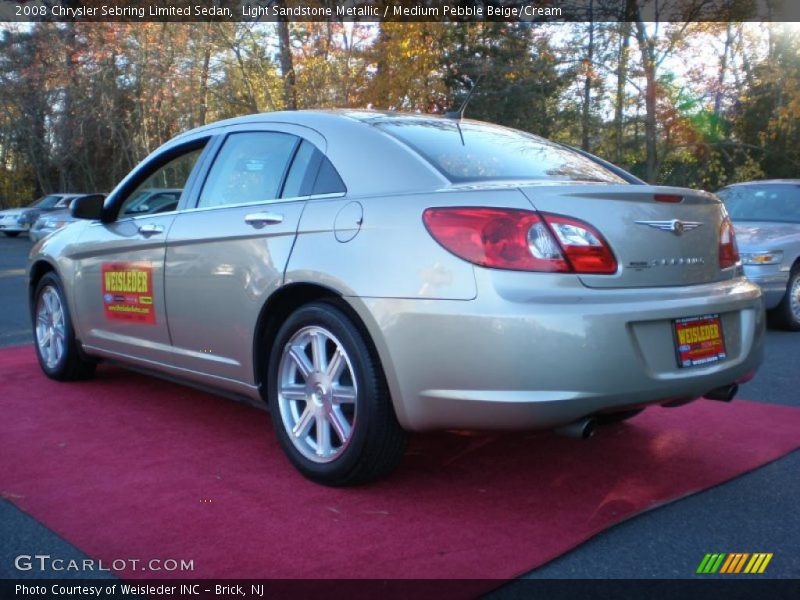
(699, 340)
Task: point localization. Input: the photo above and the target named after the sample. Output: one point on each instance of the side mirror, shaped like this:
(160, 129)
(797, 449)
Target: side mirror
(88, 207)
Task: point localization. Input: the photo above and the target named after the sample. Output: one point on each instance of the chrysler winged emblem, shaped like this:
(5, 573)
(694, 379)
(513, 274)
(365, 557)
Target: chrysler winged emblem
(676, 226)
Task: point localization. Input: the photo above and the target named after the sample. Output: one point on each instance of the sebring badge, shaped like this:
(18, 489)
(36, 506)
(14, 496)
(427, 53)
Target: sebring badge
(676, 226)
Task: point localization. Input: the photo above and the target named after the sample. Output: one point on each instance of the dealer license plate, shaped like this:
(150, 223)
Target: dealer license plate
(699, 340)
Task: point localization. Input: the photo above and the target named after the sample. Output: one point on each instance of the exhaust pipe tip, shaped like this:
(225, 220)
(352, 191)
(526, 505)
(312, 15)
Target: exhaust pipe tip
(581, 429)
(726, 393)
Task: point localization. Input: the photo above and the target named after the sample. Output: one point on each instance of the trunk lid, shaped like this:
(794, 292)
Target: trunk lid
(656, 243)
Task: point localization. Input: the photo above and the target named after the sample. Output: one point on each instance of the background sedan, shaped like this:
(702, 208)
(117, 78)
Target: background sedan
(18, 220)
(53, 220)
(766, 215)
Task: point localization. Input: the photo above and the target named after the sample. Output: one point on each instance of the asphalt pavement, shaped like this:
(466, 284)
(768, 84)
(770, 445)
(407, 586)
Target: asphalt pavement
(757, 512)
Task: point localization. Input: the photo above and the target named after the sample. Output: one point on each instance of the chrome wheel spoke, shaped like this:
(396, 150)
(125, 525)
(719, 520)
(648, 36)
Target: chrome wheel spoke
(303, 425)
(301, 361)
(318, 352)
(336, 366)
(52, 356)
(58, 347)
(323, 437)
(47, 298)
(344, 395)
(294, 392)
(339, 424)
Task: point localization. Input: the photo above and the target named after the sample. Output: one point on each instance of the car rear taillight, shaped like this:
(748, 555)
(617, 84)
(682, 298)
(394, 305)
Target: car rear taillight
(728, 249)
(520, 240)
(585, 248)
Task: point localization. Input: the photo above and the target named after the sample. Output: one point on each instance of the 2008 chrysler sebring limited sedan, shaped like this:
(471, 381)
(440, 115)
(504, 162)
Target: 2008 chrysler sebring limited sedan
(371, 273)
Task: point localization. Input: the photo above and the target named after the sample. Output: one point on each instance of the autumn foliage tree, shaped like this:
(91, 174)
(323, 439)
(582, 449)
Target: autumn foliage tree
(686, 103)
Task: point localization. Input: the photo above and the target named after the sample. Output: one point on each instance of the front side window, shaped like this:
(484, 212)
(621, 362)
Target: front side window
(162, 189)
(466, 151)
(250, 167)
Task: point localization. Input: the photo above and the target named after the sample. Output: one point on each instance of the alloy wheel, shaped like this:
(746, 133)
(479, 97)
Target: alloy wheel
(794, 298)
(317, 394)
(50, 327)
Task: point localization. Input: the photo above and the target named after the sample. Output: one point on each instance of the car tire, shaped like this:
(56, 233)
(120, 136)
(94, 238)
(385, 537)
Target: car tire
(330, 404)
(59, 353)
(617, 417)
(11, 233)
(787, 314)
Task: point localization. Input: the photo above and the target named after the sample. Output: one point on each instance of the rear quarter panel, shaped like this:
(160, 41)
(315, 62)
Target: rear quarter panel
(391, 255)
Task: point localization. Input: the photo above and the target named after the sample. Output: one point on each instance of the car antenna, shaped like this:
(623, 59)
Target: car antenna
(459, 114)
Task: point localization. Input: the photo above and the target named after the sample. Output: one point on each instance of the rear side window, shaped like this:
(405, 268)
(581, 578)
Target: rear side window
(466, 151)
(328, 180)
(303, 166)
(311, 173)
(250, 167)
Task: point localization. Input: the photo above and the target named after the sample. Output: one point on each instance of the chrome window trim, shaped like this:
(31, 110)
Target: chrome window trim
(263, 202)
(136, 218)
(240, 205)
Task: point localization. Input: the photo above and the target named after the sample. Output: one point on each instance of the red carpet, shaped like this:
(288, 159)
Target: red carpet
(127, 466)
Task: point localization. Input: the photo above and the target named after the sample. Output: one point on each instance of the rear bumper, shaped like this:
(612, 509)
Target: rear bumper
(772, 281)
(538, 350)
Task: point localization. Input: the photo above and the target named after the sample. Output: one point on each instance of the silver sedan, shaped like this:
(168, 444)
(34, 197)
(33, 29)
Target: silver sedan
(50, 221)
(766, 216)
(366, 274)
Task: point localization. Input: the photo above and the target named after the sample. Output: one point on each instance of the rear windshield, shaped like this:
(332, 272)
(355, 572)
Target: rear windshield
(779, 202)
(466, 151)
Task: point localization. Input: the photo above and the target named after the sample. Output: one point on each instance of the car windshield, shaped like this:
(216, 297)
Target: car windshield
(779, 202)
(46, 202)
(468, 151)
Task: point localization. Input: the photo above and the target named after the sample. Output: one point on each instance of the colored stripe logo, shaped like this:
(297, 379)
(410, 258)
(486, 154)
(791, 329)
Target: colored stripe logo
(734, 562)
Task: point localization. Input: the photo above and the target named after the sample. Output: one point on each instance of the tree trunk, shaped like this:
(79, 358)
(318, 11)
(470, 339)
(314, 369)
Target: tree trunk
(67, 155)
(647, 49)
(287, 65)
(587, 84)
(204, 74)
(622, 77)
(723, 67)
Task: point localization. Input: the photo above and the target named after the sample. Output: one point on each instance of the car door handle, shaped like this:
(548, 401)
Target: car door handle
(150, 229)
(260, 219)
